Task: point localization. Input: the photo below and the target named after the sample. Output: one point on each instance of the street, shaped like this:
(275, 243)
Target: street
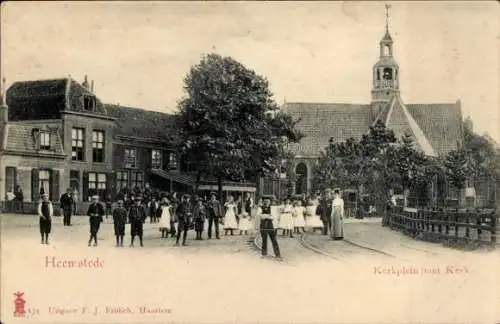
(226, 280)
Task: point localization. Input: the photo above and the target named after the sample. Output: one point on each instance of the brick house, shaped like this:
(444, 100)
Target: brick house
(56, 134)
(435, 127)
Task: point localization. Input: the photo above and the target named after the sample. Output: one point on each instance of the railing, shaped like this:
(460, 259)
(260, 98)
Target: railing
(478, 225)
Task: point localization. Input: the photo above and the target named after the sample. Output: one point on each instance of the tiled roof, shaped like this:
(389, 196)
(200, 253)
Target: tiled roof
(20, 137)
(441, 124)
(46, 99)
(42, 99)
(140, 123)
(322, 121)
(401, 121)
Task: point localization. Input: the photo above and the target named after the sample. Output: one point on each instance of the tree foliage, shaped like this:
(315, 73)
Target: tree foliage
(226, 130)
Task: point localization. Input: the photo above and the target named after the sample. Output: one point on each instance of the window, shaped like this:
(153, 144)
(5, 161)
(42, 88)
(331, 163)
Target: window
(10, 179)
(44, 181)
(156, 159)
(130, 156)
(77, 144)
(74, 182)
(387, 74)
(44, 141)
(137, 179)
(98, 146)
(88, 103)
(172, 161)
(121, 180)
(97, 184)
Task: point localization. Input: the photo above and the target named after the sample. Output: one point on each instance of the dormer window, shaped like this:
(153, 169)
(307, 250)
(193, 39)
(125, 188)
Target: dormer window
(89, 103)
(44, 141)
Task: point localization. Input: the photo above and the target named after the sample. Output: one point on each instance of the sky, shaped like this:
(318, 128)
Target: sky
(139, 53)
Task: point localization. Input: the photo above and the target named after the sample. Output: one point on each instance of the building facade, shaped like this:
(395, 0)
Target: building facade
(57, 134)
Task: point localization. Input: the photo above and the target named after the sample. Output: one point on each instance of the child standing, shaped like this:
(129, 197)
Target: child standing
(199, 215)
(230, 221)
(119, 220)
(45, 211)
(286, 220)
(298, 217)
(165, 212)
(245, 223)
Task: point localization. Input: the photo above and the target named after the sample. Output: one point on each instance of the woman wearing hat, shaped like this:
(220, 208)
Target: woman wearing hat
(45, 211)
(95, 213)
(165, 212)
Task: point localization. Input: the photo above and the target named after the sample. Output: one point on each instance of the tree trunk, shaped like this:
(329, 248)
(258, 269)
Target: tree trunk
(197, 183)
(219, 187)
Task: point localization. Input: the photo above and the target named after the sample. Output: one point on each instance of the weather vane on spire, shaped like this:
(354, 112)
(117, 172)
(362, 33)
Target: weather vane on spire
(387, 7)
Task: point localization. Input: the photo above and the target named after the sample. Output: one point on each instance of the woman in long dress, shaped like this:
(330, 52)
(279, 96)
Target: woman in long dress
(337, 216)
(312, 220)
(230, 221)
(286, 219)
(165, 218)
(298, 217)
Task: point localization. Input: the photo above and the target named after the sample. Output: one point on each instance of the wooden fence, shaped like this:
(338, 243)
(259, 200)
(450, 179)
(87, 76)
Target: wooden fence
(471, 225)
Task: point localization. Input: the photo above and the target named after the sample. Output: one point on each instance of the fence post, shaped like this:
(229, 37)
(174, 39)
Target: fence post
(479, 223)
(457, 217)
(493, 227)
(447, 226)
(467, 223)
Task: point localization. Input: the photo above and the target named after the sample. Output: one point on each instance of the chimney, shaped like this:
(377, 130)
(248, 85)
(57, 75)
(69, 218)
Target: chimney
(92, 86)
(85, 83)
(4, 109)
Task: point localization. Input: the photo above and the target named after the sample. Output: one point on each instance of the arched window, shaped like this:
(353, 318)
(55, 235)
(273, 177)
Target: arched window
(387, 74)
(301, 182)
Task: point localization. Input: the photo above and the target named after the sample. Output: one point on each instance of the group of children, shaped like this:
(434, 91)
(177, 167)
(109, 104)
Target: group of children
(242, 216)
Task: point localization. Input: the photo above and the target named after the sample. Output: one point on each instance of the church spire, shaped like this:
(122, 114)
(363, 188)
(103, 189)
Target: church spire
(387, 7)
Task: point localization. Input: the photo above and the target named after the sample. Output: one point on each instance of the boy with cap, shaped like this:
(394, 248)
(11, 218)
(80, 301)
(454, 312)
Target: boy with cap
(137, 216)
(199, 214)
(95, 213)
(45, 211)
(119, 220)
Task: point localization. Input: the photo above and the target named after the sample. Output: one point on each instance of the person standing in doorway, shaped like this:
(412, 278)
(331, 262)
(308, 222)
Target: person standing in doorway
(137, 217)
(109, 206)
(19, 198)
(337, 216)
(95, 212)
(45, 211)
(119, 220)
(267, 229)
(67, 206)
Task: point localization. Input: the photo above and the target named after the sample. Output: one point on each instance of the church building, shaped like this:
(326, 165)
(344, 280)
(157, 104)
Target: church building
(436, 128)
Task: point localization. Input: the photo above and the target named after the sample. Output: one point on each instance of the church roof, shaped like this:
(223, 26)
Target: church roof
(436, 127)
(321, 121)
(386, 61)
(387, 37)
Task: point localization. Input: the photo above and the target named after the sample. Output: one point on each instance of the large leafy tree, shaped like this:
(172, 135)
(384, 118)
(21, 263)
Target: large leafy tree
(226, 129)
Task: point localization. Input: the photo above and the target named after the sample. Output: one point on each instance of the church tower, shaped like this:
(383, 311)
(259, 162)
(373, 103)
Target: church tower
(385, 73)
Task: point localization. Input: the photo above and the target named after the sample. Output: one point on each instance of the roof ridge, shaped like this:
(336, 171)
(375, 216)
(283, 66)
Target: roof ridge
(418, 133)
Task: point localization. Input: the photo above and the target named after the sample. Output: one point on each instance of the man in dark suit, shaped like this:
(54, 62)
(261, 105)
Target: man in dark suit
(214, 212)
(325, 211)
(137, 217)
(67, 205)
(184, 218)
